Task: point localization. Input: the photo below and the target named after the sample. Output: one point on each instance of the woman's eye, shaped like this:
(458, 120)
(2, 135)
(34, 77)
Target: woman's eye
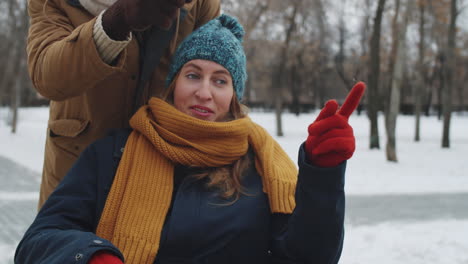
(192, 76)
(221, 82)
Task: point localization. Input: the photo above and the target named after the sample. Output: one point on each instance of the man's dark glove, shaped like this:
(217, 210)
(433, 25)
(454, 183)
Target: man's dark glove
(137, 15)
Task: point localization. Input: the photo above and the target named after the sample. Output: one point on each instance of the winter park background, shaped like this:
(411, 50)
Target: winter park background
(413, 212)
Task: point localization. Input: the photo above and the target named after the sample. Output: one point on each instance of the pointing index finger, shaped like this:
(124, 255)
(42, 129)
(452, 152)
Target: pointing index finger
(352, 100)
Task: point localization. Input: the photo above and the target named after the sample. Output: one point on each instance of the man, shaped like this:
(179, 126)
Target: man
(86, 56)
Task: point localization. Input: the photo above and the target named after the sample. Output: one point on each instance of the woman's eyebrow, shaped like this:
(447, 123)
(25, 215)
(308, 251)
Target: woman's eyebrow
(191, 64)
(222, 71)
(194, 65)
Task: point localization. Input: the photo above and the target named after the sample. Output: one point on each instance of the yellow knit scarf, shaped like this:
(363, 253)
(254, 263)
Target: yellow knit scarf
(141, 193)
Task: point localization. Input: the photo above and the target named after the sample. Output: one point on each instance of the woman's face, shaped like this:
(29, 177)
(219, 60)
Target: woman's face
(204, 90)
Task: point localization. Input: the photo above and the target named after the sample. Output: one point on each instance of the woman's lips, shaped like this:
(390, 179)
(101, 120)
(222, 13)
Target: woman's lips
(201, 110)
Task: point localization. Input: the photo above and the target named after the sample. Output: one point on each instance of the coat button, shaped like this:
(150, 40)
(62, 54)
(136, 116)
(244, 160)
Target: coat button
(78, 256)
(97, 241)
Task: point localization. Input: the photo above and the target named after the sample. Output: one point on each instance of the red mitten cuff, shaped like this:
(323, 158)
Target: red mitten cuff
(331, 152)
(104, 257)
(330, 141)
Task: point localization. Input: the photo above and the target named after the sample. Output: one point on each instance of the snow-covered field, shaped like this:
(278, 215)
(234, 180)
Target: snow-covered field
(423, 168)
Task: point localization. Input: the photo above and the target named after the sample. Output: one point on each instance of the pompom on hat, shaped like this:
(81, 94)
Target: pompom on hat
(220, 41)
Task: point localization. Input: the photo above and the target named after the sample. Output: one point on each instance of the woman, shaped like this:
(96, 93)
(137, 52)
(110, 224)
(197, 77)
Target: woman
(197, 181)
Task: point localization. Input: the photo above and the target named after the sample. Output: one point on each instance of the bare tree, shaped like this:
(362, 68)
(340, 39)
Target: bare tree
(394, 51)
(395, 71)
(421, 72)
(322, 54)
(9, 47)
(365, 28)
(374, 71)
(460, 82)
(278, 78)
(255, 15)
(449, 70)
(252, 21)
(398, 55)
(13, 77)
(341, 57)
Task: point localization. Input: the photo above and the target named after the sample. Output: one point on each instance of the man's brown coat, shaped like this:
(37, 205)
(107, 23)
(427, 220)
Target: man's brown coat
(87, 96)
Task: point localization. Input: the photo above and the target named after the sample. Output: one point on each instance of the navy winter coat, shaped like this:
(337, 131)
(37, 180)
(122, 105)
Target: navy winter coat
(198, 227)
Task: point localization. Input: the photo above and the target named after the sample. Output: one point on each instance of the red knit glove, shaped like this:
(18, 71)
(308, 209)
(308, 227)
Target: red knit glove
(104, 257)
(331, 139)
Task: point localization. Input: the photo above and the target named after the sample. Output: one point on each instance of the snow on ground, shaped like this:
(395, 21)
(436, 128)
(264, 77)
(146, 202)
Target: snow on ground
(435, 242)
(423, 167)
(26, 146)
(6, 252)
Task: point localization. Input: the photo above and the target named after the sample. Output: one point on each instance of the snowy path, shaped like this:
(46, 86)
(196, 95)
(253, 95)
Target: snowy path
(370, 210)
(18, 205)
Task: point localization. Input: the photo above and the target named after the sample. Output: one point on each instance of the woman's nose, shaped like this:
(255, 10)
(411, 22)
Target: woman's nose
(204, 91)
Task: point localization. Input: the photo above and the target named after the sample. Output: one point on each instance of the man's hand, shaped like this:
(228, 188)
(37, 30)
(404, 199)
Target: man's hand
(137, 15)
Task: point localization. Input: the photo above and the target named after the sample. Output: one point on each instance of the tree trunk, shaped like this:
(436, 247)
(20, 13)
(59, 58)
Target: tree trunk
(395, 89)
(374, 71)
(321, 57)
(394, 69)
(279, 77)
(318, 95)
(295, 90)
(249, 27)
(5, 76)
(250, 72)
(364, 38)
(441, 74)
(18, 85)
(340, 57)
(15, 101)
(252, 21)
(418, 93)
(13, 81)
(364, 44)
(449, 75)
(279, 120)
(461, 87)
(16, 79)
(393, 56)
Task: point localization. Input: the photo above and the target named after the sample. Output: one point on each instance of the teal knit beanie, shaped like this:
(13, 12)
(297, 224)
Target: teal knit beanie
(219, 40)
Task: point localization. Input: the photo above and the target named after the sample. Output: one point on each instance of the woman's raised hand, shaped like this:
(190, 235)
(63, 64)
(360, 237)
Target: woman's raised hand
(331, 138)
